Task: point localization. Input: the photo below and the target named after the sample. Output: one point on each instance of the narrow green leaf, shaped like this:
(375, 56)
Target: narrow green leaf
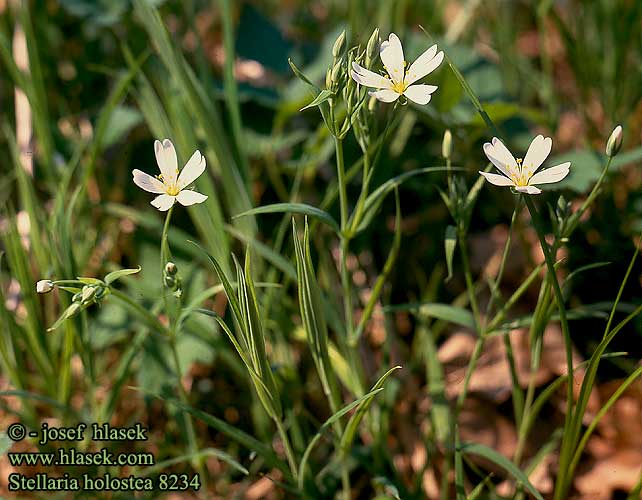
(115, 275)
(326, 427)
(444, 312)
(353, 424)
(322, 97)
(500, 460)
(297, 208)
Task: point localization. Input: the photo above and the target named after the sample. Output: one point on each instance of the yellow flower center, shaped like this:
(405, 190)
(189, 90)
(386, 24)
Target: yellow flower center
(400, 87)
(522, 174)
(172, 190)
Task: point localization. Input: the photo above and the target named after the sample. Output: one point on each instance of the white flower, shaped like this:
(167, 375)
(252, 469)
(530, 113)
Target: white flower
(399, 80)
(521, 174)
(44, 286)
(169, 184)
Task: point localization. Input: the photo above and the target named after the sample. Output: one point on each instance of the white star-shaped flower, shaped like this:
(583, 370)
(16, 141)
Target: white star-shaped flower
(399, 80)
(521, 174)
(169, 184)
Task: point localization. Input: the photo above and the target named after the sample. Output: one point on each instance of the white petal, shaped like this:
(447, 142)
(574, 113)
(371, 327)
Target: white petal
(164, 202)
(537, 152)
(167, 161)
(385, 95)
(497, 180)
(426, 63)
(391, 54)
(187, 197)
(553, 174)
(147, 182)
(192, 170)
(420, 93)
(369, 78)
(528, 189)
(500, 156)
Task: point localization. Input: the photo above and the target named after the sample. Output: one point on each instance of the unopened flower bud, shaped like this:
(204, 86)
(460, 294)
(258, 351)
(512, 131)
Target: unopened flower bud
(340, 42)
(77, 297)
(328, 79)
(170, 282)
(73, 309)
(371, 48)
(171, 269)
(88, 293)
(614, 143)
(447, 145)
(372, 104)
(44, 286)
(337, 72)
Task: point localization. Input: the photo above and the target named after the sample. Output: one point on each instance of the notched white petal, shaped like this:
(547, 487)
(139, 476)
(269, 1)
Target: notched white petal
(537, 152)
(550, 175)
(163, 202)
(147, 182)
(424, 65)
(528, 189)
(192, 170)
(391, 54)
(497, 180)
(492, 155)
(385, 95)
(420, 93)
(369, 78)
(167, 160)
(187, 197)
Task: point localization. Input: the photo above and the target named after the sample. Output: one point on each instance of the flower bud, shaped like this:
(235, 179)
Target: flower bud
(337, 72)
(170, 282)
(77, 297)
(88, 293)
(328, 79)
(371, 48)
(171, 269)
(44, 286)
(73, 309)
(447, 145)
(614, 143)
(372, 103)
(340, 42)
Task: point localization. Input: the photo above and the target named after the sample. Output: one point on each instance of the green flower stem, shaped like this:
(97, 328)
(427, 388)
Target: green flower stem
(472, 297)
(550, 263)
(164, 253)
(184, 397)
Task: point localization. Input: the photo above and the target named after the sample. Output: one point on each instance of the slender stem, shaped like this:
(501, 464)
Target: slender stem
(472, 364)
(539, 227)
(289, 453)
(164, 254)
(184, 397)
